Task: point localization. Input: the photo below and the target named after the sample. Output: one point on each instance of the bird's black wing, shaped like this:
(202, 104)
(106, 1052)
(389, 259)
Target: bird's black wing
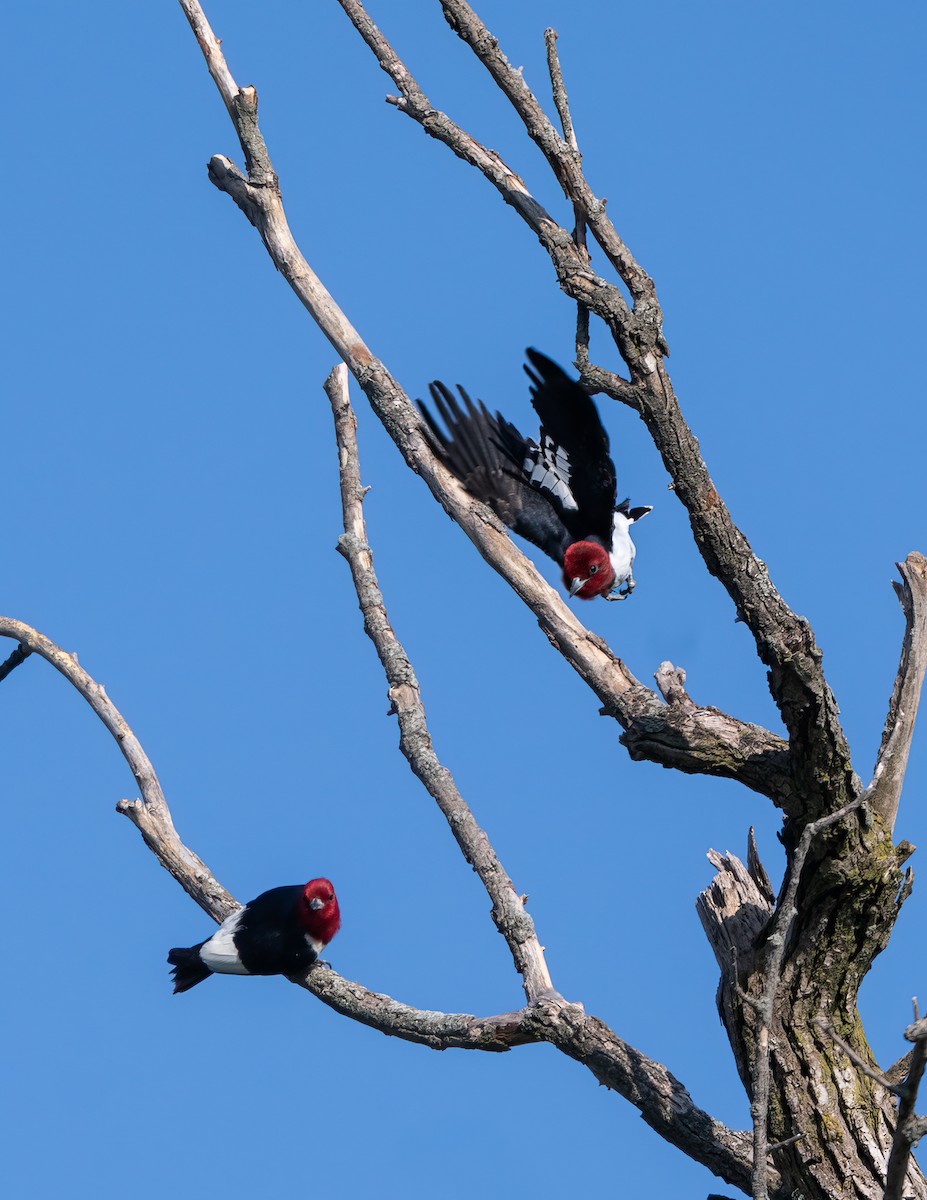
(486, 453)
(572, 462)
(269, 937)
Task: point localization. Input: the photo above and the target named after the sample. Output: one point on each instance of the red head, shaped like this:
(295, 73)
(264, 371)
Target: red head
(587, 570)
(319, 911)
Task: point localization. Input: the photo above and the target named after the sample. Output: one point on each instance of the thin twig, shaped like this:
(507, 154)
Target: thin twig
(19, 655)
(789, 1141)
(909, 1129)
(562, 104)
(558, 87)
(509, 913)
(857, 1059)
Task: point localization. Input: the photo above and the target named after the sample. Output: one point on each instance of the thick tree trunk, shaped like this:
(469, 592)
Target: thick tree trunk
(849, 897)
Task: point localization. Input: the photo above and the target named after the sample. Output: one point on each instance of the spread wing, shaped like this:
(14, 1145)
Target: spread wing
(572, 462)
(486, 453)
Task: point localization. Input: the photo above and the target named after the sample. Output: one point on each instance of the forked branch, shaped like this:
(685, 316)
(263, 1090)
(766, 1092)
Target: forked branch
(509, 913)
(151, 815)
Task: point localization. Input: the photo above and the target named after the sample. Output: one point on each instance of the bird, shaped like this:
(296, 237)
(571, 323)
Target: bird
(281, 932)
(559, 492)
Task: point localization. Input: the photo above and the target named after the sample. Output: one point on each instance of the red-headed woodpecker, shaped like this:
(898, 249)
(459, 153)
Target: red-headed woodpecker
(282, 932)
(559, 493)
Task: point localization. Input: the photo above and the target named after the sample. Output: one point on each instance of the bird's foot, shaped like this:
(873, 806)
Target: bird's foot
(622, 593)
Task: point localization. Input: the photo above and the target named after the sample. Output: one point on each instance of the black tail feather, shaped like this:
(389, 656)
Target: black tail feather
(189, 968)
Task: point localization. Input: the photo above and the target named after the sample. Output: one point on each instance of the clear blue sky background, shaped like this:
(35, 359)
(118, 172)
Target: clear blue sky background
(169, 485)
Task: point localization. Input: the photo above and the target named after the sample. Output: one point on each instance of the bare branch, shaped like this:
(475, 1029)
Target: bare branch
(467, 25)
(436, 1030)
(150, 814)
(909, 1129)
(509, 913)
(663, 1102)
(558, 88)
(19, 655)
(688, 742)
(896, 1073)
(884, 792)
(671, 682)
(562, 104)
(789, 1141)
(212, 52)
(608, 383)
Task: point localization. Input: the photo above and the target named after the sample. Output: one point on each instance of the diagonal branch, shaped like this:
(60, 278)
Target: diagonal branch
(509, 913)
(700, 742)
(150, 814)
(884, 792)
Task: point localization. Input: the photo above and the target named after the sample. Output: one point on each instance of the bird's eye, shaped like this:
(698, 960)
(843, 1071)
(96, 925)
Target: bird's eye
(593, 570)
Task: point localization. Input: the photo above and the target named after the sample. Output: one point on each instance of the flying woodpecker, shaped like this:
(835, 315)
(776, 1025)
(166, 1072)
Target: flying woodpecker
(560, 492)
(282, 932)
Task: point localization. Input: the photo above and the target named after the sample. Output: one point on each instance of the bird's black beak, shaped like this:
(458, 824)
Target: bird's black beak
(315, 902)
(577, 585)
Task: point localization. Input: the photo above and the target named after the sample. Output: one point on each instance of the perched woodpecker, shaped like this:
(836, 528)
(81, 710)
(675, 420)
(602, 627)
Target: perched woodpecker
(282, 932)
(560, 492)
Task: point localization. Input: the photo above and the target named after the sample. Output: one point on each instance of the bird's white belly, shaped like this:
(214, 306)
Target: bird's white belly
(622, 551)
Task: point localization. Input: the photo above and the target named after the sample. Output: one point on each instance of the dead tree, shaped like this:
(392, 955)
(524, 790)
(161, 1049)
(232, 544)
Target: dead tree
(825, 1120)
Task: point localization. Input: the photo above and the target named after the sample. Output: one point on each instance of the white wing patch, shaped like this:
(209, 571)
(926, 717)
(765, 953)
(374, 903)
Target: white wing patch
(548, 469)
(219, 953)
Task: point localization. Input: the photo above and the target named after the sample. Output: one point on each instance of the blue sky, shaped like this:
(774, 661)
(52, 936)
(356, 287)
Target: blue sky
(169, 479)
